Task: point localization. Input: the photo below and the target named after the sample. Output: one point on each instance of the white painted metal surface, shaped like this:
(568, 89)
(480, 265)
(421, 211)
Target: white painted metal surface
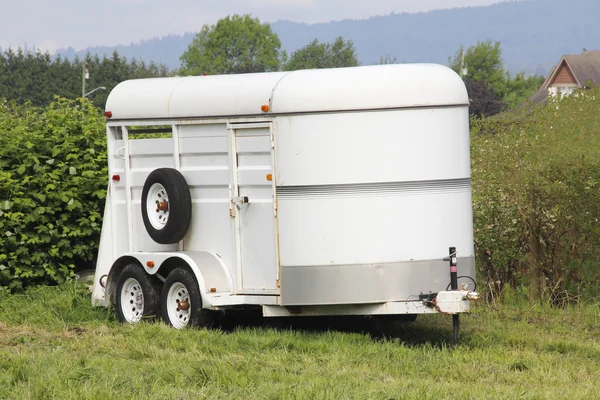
(341, 89)
(369, 88)
(345, 196)
(447, 302)
(252, 207)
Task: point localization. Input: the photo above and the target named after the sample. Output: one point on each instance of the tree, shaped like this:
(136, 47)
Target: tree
(483, 99)
(235, 45)
(338, 54)
(388, 59)
(483, 62)
(521, 87)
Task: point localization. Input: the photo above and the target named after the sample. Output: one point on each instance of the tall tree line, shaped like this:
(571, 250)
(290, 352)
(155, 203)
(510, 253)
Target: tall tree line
(38, 77)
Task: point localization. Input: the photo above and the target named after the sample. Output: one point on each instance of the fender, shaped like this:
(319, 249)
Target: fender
(210, 270)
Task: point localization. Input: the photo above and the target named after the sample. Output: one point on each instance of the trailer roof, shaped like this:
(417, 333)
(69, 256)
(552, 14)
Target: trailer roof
(315, 90)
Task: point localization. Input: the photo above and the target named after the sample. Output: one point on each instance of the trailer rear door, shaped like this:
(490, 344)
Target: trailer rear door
(252, 207)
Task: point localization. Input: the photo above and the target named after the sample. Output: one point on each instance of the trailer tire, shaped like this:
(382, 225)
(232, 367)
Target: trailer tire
(137, 295)
(166, 205)
(182, 303)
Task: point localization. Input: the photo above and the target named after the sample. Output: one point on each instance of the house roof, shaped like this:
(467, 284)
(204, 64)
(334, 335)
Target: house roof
(584, 67)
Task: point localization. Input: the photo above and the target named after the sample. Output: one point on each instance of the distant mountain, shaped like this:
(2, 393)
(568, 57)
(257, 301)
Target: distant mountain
(534, 34)
(165, 50)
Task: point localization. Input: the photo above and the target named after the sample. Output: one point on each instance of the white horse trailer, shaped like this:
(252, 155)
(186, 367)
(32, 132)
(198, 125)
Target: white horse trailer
(314, 192)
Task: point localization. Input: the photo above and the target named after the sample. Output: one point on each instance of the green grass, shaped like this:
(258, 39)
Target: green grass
(53, 344)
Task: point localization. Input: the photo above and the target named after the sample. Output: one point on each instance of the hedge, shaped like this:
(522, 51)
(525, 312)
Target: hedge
(53, 180)
(536, 197)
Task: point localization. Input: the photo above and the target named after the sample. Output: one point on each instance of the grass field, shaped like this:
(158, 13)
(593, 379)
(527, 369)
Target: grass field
(54, 345)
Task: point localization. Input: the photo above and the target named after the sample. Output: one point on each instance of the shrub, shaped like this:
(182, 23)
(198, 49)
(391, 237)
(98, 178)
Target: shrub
(536, 181)
(53, 182)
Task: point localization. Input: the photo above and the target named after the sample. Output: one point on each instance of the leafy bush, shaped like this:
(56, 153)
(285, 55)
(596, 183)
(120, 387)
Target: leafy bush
(53, 181)
(536, 186)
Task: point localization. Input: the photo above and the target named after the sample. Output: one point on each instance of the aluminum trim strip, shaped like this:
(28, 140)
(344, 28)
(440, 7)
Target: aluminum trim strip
(375, 189)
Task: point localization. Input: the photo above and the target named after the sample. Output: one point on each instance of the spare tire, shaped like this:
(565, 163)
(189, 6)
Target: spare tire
(166, 205)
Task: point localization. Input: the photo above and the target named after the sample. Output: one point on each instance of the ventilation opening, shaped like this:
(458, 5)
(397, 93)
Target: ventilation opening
(150, 132)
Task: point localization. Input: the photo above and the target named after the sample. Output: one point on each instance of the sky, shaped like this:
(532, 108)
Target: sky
(52, 24)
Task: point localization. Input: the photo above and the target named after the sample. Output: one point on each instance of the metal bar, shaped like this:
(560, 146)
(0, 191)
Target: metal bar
(453, 269)
(125, 134)
(233, 193)
(453, 259)
(177, 163)
(456, 327)
(111, 137)
(275, 203)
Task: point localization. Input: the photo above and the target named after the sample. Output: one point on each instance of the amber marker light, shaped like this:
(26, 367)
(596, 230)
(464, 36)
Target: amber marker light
(150, 264)
(269, 177)
(265, 108)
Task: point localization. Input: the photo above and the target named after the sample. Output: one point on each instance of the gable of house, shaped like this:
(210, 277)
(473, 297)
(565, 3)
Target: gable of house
(564, 76)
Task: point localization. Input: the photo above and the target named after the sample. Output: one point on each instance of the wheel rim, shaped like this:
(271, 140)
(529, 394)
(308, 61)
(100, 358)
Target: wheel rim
(178, 305)
(155, 206)
(132, 301)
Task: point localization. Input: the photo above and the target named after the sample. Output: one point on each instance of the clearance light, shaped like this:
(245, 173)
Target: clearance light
(265, 108)
(269, 177)
(150, 264)
(108, 114)
(116, 178)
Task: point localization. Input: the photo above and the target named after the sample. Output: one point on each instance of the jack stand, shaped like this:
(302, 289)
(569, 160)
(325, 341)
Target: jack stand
(454, 286)
(456, 326)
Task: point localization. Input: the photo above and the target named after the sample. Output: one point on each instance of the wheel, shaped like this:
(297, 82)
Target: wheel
(166, 205)
(137, 294)
(181, 301)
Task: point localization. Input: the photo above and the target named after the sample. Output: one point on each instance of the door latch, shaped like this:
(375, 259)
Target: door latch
(239, 200)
